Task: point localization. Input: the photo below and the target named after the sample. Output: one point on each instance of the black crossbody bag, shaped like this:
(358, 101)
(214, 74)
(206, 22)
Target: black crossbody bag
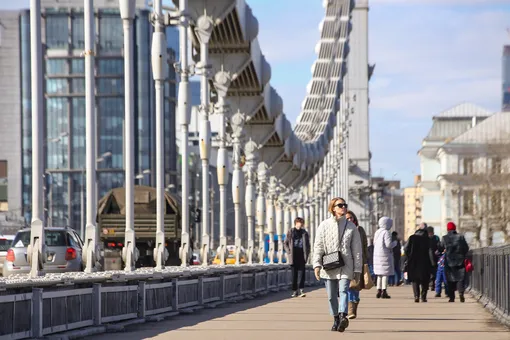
(334, 260)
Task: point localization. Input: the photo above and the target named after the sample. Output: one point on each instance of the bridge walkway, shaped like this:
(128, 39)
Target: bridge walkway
(277, 316)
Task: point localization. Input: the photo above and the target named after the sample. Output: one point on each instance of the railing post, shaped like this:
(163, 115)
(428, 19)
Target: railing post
(240, 285)
(201, 290)
(175, 293)
(141, 299)
(96, 303)
(37, 312)
(222, 287)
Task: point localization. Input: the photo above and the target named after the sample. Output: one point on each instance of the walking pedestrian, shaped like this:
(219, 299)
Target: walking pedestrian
(419, 263)
(397, 253)
(355, 288)
(337, 258)
(441, 276)
(297, 246)
(456, 249)
(434, 246)
(383, 256)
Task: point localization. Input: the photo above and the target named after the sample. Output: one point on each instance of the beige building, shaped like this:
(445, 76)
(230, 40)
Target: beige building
(412, 210)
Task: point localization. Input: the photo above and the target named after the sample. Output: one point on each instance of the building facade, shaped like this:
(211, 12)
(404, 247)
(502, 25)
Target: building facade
(475, 172)
(64, 106)
(446, 126)
(412, 210)
(10, 117)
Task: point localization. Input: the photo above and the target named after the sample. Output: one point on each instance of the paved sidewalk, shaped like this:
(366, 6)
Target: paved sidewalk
(277, 316)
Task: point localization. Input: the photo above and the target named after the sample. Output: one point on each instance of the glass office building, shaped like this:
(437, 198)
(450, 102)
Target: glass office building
(64, 109)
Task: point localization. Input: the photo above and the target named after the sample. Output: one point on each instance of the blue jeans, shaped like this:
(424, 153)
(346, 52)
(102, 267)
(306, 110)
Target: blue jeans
(353, 295)
(334, 289)
(441, 279)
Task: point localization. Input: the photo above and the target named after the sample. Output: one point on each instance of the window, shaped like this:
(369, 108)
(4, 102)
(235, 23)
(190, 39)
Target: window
(57, 31)
(78, 66)
(57, 86)
(111, 66)
(111, 37)
(78, 32)
(56, 66)
(496, 166)
(468, 166)
(496, 202)
(468, 202)
(3, 169)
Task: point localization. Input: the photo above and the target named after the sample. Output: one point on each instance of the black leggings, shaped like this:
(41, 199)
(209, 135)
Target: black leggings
(296, 270)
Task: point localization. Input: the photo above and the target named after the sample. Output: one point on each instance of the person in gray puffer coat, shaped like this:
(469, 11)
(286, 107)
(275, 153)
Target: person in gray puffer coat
(383, 256)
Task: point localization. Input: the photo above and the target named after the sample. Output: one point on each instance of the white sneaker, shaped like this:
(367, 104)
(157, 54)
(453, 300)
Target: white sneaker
(294, 294)
(301, 293)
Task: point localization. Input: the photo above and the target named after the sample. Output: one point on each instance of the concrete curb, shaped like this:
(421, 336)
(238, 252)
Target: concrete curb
(498, 313)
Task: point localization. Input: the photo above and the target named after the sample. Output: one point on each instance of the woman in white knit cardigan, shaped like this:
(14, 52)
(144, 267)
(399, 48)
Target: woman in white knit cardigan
(335, 234)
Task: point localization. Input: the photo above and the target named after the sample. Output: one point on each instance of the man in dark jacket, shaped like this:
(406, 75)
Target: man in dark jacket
(297, 246)
(419, 263)
(397, 253)
(456, 249)
(434, 246)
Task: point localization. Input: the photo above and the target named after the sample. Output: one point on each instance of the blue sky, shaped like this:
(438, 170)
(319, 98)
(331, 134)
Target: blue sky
(430, 55)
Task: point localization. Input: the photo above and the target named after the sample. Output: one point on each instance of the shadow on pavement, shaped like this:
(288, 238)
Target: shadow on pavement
(183, 320)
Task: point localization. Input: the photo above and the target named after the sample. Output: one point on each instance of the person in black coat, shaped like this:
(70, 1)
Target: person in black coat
(297, 246)
(456, 249)
(419, 263)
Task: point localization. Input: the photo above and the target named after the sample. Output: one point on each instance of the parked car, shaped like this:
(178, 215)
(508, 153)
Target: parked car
(195, 259)
(5, 244)
(63, 252)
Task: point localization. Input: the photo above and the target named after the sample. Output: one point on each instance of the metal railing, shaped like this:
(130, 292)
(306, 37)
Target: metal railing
(490, 280)
(64, 302)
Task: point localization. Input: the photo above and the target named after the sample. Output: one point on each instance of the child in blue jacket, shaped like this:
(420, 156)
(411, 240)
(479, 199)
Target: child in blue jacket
(441, 275)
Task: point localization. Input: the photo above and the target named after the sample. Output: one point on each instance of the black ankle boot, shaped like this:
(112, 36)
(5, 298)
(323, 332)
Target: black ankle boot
(336, 323)
(344, 322)
(379, 293)
(385, 294)
(417, 299)
(424, 296)
(461, 297)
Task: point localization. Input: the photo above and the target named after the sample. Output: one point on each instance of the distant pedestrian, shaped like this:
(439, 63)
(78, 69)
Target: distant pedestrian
(297, 246)
(434, 246)
(337, 258)
(456, 249)
(419, 263)
(355, 287)
(441, 276)
(397, 253)
(383, 256)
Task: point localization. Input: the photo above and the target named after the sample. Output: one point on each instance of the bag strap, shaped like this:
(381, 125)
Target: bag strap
(343, 232)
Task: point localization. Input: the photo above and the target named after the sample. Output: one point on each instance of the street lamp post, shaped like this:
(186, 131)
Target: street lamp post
(90, 251)
(37, 242)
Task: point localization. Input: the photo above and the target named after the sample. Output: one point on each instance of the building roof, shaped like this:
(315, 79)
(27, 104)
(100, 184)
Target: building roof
(493, 130)
(455, 121)
(444, 129)
(465, 110)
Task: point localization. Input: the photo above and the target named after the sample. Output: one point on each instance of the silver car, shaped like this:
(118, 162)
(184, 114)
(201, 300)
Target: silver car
(63, 252)
(5, 244)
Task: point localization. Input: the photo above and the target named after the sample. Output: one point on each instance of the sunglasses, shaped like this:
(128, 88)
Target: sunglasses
(341, 205)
